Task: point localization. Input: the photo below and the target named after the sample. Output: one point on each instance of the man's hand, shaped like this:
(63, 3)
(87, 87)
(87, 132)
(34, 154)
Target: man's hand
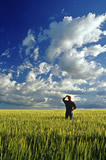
(66, 96)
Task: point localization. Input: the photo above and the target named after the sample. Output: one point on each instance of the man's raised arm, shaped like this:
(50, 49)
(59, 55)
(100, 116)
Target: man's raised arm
(64, 98)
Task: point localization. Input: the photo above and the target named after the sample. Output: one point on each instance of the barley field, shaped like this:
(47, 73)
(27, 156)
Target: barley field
(46, 135)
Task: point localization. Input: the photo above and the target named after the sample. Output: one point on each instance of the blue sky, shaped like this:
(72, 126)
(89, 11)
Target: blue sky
(49, 49)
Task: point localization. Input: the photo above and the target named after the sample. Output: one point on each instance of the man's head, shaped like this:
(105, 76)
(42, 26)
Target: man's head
(69, 97)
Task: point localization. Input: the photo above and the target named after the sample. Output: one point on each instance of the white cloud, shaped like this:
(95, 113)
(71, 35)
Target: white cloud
(94, 50)
(23, 67)
(92, 89)
(68, 40)
(31, 76)
(71, 33)
(71, 86)
(36, 53)
(78, 67)
(29, 42)
(24, 94)
(104, 32)
(101, 84)
(56, 70)
(5, 81)
(6, 53)
(40, 92)
(44, 68)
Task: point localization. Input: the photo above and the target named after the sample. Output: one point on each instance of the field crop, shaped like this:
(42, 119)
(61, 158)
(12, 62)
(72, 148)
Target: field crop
(46, 135)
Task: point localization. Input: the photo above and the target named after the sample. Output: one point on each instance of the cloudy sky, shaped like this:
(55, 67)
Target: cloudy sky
(52, 48)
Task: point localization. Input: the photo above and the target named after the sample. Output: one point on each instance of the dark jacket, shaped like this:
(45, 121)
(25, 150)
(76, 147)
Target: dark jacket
(70, 105)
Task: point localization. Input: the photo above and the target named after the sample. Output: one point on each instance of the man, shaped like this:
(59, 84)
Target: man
(70, 106)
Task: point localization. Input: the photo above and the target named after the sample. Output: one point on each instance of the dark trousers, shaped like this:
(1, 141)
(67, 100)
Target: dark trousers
(70, 114)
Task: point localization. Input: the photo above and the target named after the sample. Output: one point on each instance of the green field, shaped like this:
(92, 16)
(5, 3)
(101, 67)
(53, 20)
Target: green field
(46, 135)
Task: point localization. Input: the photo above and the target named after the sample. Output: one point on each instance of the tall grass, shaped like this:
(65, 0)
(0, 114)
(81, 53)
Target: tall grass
(46, 135)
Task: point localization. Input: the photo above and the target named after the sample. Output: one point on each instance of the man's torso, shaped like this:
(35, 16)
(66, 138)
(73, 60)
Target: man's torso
(69, 105)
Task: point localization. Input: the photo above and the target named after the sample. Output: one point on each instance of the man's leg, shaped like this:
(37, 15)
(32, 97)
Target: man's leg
(66, 115)
(71, 116)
